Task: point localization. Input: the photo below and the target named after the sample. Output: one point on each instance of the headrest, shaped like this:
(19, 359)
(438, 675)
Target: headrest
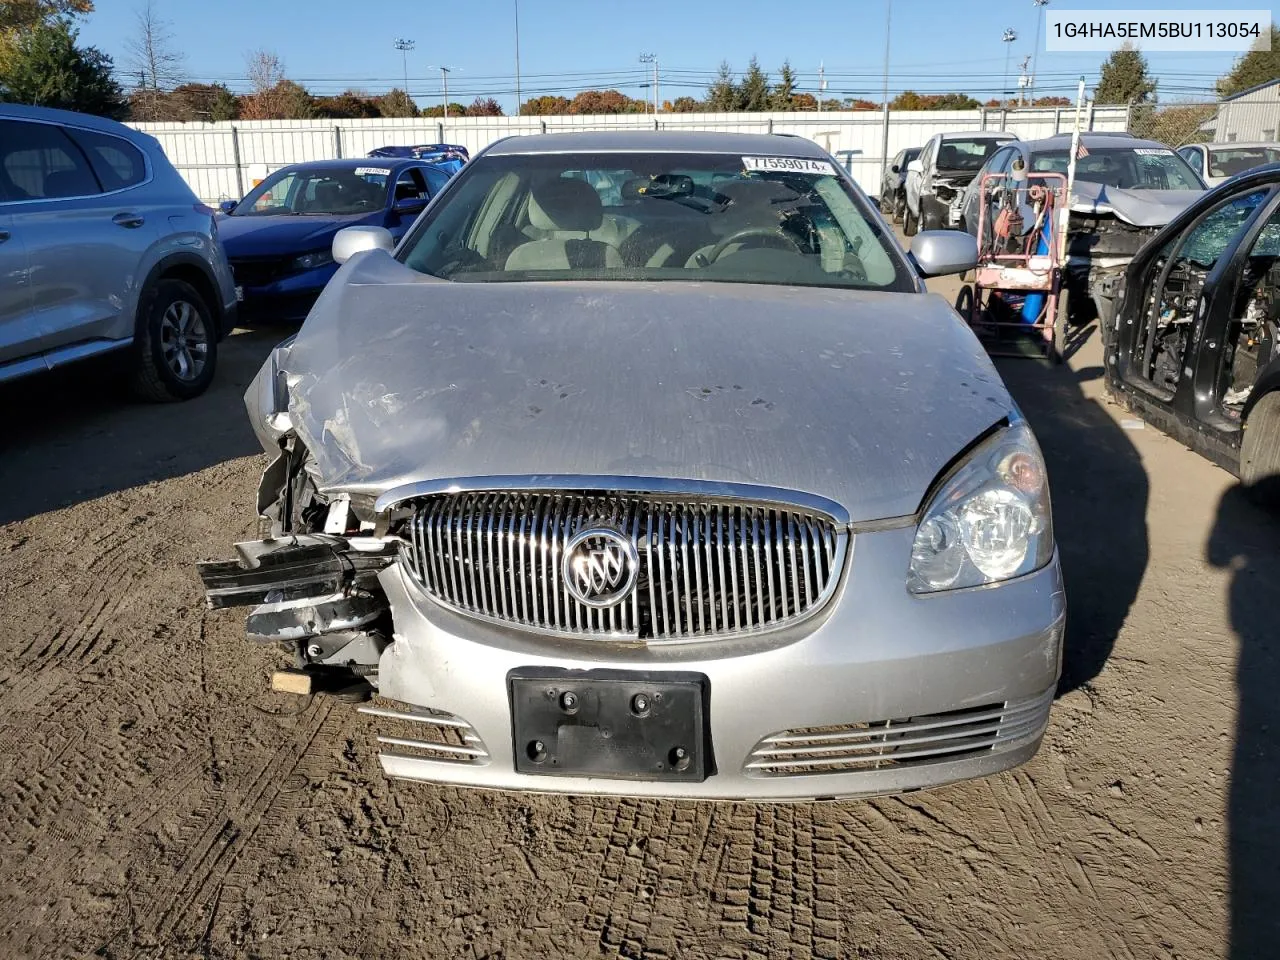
(567, 205)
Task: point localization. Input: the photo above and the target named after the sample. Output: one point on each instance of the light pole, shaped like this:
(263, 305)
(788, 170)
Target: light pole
(1009, 37)
(1040, 5)
(516, 3)
(653, 59)
(404, 46)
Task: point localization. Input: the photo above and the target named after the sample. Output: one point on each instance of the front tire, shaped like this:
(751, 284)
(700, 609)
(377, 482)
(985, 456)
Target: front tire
(910, 226)
(176, 348)
(1260, 452)
(1060, 323)
(899, 207)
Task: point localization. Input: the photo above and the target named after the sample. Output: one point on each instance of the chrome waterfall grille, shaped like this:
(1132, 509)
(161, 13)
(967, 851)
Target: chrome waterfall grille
(703, 567)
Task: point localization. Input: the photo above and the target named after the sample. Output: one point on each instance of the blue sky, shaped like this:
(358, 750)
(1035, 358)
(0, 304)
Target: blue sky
(566, 45)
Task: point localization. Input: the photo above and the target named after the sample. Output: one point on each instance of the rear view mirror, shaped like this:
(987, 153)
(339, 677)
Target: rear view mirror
(669, 185)
(940, 252)
(226, 206)
(352, 240)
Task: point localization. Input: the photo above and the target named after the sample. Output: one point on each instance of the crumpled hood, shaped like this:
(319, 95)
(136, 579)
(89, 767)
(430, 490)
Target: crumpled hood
(1142, 208)
(859, 397)
(250, 236)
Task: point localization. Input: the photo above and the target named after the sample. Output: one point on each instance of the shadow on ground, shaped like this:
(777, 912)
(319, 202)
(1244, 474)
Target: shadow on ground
(1100, 489)
(1244, 540)
(76, 434)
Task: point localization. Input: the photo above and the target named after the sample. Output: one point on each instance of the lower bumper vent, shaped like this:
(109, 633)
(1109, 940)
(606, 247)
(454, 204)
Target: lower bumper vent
(935, 738)
(422, 734)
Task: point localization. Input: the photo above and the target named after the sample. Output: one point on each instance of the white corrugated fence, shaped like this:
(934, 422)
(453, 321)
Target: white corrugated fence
(223, 160)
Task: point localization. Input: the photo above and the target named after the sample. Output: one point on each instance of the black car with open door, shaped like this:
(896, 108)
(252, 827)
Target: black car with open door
(1192, 346)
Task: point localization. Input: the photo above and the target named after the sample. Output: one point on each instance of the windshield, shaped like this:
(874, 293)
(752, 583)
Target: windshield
(966, 154)
(644, 216)
(318, 190)
(1228, 162)
(1129, 168)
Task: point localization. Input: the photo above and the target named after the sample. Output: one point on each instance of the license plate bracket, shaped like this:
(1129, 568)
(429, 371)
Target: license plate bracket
(628, 725)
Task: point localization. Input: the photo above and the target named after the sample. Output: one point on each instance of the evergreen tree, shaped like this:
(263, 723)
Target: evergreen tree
(1255, 67)
(784, 90)
(753, 91)
(1125, 79)
(45, 68)
(722, 95)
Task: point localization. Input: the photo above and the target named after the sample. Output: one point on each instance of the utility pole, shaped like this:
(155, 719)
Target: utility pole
(1024, 80)
(517, 6)
(404, 46)
(1031, 84)
(653, 59)
(884, 133)
(822, 84)
(444, 80)
(1009, 37)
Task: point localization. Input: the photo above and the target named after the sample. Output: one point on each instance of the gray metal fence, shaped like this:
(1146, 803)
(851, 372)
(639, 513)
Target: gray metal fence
(223, 160)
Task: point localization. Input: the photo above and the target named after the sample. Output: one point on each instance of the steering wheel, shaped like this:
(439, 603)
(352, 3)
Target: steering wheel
(770, 233)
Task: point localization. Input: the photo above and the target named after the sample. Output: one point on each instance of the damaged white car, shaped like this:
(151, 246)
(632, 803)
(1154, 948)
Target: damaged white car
(645, 465)
(1125, 190)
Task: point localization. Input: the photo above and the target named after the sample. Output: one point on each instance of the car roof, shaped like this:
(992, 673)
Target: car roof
(350, 163)
(1063, 141)
(658, 141)
(18, 111)
(1227, 144)
(978, 135)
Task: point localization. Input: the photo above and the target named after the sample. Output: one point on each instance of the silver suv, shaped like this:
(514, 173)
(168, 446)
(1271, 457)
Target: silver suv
(103, 247)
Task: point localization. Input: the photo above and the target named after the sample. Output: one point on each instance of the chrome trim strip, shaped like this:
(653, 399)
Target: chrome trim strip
(605, 483)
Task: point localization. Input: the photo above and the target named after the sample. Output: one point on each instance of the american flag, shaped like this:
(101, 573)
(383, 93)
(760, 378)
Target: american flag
(1081, 151)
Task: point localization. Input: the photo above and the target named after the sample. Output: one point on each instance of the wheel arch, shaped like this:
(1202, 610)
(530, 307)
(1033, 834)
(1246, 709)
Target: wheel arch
(190, 269)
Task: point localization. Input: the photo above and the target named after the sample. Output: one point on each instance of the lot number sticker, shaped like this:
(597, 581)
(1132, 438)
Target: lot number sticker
(373, 171)
(790, 165)
(1152, 152)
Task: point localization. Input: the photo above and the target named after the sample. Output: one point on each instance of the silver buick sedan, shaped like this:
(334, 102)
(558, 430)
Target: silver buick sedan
(645, 465)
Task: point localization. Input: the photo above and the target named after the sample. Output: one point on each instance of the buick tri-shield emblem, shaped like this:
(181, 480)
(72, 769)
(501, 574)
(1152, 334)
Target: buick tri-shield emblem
(600, 566)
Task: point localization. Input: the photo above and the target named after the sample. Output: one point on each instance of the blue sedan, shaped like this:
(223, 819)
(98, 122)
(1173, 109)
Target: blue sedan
(278, 237)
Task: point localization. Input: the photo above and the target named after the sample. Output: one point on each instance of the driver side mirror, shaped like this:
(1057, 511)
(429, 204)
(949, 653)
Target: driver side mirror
(915, 166)
(894, 168)
(940, 252)
(411, 204)
(352, 240)
(226, 206)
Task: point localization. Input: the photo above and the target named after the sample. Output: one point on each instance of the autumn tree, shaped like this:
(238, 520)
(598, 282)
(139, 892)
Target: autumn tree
(858, 103)
(45, 68)
(274, 97)
(437, 110)
(684, 105)
(396, 103)
(1124, 79)
(211, 102)
(484, 107)
(909, 100)
(1255, 67)
(544, 106)
(604, 101)
(21, 17)
(803, 102)
(348, 105)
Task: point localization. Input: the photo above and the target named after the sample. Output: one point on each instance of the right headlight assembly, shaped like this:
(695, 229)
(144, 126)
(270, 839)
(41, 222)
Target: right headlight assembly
(990, 521)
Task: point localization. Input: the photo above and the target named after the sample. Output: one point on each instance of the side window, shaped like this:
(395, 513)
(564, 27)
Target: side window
(926, 155)
(38, 161)
(1000, 160)
(436, 179)
(409, 186)
(117, 162)
(1212, 235)
(1192, 156)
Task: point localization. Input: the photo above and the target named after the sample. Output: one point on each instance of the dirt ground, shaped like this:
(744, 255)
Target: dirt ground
(157, 801)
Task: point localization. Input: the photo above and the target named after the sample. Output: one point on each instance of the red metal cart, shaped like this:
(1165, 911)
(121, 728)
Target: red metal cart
(1017, 303)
